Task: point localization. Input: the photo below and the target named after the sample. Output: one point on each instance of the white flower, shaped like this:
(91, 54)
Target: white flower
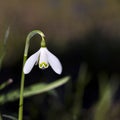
(44, 58)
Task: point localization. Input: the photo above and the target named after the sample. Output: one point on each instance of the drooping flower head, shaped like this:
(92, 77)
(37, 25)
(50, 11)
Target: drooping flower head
(44, 58)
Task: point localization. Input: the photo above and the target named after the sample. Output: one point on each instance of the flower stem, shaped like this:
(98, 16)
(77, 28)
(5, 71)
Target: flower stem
(30, 35)
(20, 115)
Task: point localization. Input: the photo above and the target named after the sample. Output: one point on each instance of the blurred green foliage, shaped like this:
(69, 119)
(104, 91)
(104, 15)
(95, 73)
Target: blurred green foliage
(3, 46)
(32, 90)
(65, 21)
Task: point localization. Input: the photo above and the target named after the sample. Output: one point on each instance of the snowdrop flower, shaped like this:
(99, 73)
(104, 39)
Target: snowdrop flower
(44, 58)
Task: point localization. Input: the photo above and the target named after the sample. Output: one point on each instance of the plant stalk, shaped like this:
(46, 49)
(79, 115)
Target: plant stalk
(30, 35)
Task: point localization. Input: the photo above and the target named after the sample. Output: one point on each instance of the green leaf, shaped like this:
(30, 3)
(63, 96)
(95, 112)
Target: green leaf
(107, 90)
(6, 83)
(3, 47)
(9, 117)
(0, 116)
(33, 90)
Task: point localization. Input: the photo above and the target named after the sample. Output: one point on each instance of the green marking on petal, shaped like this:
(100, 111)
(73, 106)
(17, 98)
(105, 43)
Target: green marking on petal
(43, 65)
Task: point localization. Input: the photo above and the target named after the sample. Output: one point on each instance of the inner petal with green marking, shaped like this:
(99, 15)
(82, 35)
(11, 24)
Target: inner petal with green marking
(43, 65)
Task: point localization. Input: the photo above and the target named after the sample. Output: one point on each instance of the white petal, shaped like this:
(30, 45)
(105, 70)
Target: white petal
(43, 62)
(54, 62)
(43, 55)
(31, 62)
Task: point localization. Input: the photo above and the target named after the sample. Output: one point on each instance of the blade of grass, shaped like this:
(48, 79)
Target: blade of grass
(3, 48)
(33, 90)
(6, 83)
(107, 91)
(0, 116)
(9, 117)
(82, 81)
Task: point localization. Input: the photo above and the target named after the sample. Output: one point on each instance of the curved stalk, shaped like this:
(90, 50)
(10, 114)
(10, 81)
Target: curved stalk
(43, 44)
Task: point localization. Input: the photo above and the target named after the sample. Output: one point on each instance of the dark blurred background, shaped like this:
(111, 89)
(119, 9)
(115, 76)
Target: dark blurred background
(76, 31)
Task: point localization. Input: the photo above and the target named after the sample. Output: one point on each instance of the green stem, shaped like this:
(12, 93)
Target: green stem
(20, 115)
(30, 35)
